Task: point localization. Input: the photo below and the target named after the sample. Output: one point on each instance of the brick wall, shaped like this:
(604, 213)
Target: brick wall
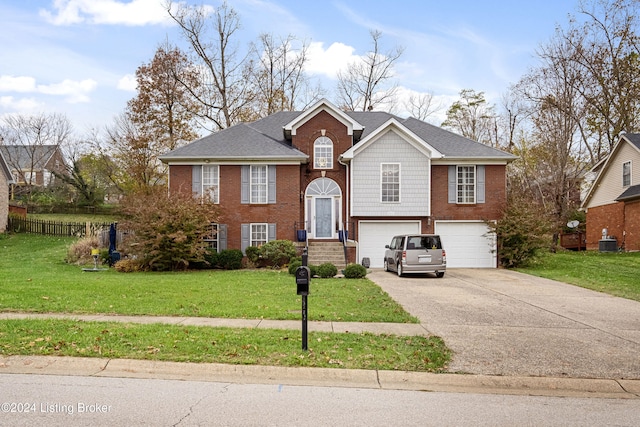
(632, 226)
(284, 213)
(495, 196)
(610, 217)
(303, 141)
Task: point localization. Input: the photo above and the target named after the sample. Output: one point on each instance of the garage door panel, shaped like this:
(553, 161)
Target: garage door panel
(374, 235)
(468, 244)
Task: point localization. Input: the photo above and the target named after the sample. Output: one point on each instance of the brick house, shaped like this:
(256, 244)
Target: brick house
(5, 180)
(33, 165)
(613, 201)
(324, 173)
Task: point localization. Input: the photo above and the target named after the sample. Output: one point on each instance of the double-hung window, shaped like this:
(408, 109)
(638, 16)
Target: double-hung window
(258, 184)
(626, 174)
(390, 182)
(466, 184)
(258, 234)
(211, 238)
(323, 153)
(210, 182)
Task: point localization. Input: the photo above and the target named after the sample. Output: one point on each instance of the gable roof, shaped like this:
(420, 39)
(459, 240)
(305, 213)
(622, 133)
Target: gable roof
(28, 156)
(353, 127)
(632, 139)
(4, 168)
(269, 138)
(395, 125)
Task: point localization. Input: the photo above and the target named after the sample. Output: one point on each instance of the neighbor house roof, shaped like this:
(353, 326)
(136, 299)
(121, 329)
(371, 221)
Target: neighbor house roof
(269, 138)
(28, 156)
(630, 193)
(628, 138)
(4, 168)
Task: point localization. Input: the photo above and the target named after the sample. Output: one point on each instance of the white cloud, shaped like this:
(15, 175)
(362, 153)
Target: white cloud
(128, 83)
(134, 13)
(19, 105)
(74, 91)
(329, 61)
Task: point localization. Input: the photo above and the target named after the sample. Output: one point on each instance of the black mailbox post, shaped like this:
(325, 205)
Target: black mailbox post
(303, 279)
(303, 274)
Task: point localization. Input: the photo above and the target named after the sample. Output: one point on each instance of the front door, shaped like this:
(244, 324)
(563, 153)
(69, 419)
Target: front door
(323, 217)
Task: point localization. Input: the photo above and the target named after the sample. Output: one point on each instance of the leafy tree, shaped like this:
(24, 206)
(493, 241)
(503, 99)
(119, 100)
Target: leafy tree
(522, 231)
(88, 192)
(164, 109)
(473, 118)
(365, 84)
(168, 231)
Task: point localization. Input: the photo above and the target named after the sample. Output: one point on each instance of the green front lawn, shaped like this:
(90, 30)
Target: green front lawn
(613, 273)
(35, 278)
(271, 347)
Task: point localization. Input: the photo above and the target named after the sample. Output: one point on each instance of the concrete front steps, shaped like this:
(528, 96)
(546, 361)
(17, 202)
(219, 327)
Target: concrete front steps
(326, 251)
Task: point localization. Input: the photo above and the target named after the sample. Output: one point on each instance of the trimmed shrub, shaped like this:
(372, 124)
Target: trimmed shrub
(277, 253)
(313, 270)
(327, 270)
(293, 265)
(355, 271)
(253, 254)
(230, 259)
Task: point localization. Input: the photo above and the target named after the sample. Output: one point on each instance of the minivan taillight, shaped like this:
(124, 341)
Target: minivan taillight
(444, 257)
(404, 255)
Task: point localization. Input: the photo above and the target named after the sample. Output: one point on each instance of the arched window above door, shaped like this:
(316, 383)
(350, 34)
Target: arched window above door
(323, 187)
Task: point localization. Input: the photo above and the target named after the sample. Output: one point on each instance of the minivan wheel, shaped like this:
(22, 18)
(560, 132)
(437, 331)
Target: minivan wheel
(399, 270)
(386, 265)
(439, 274)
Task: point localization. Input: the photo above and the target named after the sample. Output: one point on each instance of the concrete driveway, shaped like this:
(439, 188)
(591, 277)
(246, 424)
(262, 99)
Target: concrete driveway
(501, 322)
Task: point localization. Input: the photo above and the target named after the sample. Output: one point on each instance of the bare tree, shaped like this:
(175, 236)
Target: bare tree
(226, 91)
(279, 74)
(30, 141)
(420, 106)
(365, 84)
(557, 150)
(604, 46)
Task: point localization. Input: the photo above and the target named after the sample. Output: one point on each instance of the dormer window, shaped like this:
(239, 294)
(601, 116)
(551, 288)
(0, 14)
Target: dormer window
(323, 153)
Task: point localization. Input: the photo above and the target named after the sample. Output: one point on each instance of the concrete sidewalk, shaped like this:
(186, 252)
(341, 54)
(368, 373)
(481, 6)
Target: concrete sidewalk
(256, 374)
(404, 329)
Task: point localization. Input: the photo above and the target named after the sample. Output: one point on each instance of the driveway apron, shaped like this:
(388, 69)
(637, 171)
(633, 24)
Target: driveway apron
(501, 322)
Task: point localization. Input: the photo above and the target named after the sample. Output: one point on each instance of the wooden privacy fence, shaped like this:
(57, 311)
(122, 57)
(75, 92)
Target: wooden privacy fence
(56, 228)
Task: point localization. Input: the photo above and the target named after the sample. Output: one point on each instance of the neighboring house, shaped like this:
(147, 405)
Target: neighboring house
(5, 180)
(326, 171)
(33, 165)
(613, 201)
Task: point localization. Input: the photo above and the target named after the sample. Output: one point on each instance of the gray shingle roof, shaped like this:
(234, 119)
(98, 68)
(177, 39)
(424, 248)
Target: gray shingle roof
(630, 193)
(264, 138)
(634, 138)
(23, 156)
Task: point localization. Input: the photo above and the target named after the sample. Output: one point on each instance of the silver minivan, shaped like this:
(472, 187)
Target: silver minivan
(415, 253)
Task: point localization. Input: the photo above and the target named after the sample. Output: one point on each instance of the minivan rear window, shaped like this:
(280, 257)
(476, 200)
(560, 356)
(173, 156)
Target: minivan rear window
(424, 242)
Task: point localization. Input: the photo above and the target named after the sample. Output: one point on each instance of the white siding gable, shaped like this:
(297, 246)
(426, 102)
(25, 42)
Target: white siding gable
(415, 172)
(609, 186)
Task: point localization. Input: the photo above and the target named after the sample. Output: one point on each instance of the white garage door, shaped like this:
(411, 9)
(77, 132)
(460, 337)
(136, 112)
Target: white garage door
(468, 244)
(374, 235)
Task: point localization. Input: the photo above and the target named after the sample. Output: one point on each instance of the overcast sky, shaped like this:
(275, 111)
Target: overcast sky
(79, 57)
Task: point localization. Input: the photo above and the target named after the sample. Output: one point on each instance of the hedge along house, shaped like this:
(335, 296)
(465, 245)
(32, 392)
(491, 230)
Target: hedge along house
(366, 175)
